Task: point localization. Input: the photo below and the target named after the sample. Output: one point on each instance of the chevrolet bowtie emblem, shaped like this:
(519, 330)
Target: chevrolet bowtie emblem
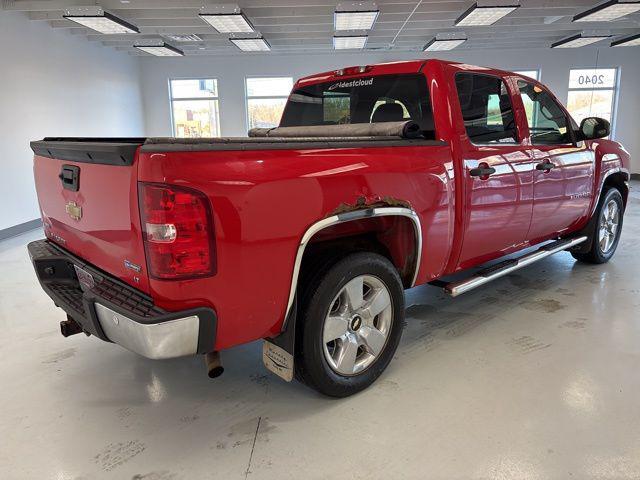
(73, 210)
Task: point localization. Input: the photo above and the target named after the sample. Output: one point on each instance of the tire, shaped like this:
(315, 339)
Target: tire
(606, 230)
(364, 341)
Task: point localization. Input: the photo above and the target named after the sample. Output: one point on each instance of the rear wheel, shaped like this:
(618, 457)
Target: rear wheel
(351, 324)
(607, 229)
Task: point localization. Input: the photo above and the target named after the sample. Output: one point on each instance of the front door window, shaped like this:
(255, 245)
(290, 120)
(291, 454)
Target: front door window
(548, 123)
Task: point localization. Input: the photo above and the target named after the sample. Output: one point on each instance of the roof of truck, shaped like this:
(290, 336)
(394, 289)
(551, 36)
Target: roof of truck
(387, 68)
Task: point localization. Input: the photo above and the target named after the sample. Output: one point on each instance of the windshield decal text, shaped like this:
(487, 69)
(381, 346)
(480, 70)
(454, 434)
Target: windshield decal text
(358, 82)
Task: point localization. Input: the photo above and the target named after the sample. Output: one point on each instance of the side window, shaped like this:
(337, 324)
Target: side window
(486, 109)
(547, 121)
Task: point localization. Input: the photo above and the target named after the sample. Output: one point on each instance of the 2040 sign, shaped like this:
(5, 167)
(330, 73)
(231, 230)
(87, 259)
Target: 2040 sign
(590, 80)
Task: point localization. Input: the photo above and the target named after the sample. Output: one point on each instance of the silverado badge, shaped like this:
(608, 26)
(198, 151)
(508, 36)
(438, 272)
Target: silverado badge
(73, 210)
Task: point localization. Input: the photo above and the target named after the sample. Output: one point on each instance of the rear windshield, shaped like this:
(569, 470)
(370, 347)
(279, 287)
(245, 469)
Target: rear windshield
(385, 98)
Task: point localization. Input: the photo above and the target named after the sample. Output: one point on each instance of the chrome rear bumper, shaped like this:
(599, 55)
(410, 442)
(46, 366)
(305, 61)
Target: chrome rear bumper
(115, 312)
(168, 339)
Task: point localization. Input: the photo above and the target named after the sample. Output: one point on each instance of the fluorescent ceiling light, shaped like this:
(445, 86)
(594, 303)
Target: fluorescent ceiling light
(362, 20)
(608, 11)
(251, 44)
(632, 41)
(228, 22)
(349, 42)
(160, 50)
(484, 15)
(578, 41)
(103, 22)
(436, 45)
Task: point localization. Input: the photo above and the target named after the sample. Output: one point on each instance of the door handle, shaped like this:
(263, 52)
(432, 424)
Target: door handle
(545, 166)
(483, 171)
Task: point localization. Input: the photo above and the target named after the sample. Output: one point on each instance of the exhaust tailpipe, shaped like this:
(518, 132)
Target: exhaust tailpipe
(70, 327)
(214, 365)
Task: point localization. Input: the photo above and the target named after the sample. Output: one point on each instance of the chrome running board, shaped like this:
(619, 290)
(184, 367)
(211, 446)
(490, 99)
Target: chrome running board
(504, 268)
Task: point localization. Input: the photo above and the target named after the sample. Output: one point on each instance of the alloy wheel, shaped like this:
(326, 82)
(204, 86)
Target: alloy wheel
(608, 228)
(357, 325)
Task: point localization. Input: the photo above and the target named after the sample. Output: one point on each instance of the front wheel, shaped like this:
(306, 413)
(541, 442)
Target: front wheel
(351, 325)
(607, 229)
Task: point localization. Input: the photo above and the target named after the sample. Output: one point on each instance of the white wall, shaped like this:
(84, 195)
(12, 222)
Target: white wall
(231, 71)
(55, 84)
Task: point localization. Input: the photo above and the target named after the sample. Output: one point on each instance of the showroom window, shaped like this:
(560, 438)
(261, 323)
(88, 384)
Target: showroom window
(194, 107)
(266, 98)
(535, 74)
(592, 93)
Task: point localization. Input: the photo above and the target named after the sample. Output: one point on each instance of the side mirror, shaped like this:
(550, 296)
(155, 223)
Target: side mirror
(594, 127)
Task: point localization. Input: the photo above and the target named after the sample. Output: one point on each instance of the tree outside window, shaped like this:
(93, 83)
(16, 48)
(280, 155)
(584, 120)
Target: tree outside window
(195, 108)
(266, 99)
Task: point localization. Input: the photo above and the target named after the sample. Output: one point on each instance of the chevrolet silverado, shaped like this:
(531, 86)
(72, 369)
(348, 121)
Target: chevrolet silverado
(378, 178)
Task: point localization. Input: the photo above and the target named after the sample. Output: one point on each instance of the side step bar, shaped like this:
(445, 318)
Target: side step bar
(504, 268)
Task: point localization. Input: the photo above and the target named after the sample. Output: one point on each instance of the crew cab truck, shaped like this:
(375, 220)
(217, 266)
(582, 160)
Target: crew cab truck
(378, 178)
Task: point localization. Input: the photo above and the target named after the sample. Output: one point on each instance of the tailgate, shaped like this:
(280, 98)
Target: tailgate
(88, 196)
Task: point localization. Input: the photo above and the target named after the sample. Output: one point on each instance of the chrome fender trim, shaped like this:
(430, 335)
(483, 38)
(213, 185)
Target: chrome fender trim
(349, 217)
(605, 175)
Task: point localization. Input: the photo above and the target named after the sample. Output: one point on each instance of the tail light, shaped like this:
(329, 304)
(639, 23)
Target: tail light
(178, 232)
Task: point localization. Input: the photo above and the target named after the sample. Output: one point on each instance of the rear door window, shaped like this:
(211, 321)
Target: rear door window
(486, 109)
(384, 98)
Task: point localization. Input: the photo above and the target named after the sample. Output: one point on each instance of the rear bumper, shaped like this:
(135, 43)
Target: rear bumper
(115, 312)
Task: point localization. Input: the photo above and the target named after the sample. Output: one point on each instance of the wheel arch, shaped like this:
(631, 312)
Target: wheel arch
(364, 222)
(618, 178)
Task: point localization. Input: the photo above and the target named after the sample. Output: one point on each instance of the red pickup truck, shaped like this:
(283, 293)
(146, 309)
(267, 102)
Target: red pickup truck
(379, 178)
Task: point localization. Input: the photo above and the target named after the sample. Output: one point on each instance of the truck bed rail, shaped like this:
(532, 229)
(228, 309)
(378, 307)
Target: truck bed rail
(122, 151)
(107, 151)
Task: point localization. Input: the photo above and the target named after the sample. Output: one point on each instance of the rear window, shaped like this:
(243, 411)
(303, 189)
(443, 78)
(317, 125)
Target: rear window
(385, 98)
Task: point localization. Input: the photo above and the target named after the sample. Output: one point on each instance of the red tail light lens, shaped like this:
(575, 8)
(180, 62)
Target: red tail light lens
(178, 232)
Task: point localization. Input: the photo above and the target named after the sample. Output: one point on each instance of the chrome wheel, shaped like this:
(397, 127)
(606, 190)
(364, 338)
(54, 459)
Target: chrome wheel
(357, 325)
(608, 228)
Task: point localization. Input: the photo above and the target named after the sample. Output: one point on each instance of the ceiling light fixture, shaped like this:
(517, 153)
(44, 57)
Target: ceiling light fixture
(97, 19)
(579, 40)
(485, 15)
(608, 11)
(159, 49)
(439, 45)
(355, 20)
(632, 41)
(251, 44)
(228, 22)
(349, 42)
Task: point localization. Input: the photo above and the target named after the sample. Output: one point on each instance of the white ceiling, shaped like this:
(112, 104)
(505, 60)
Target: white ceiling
(291, 26)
